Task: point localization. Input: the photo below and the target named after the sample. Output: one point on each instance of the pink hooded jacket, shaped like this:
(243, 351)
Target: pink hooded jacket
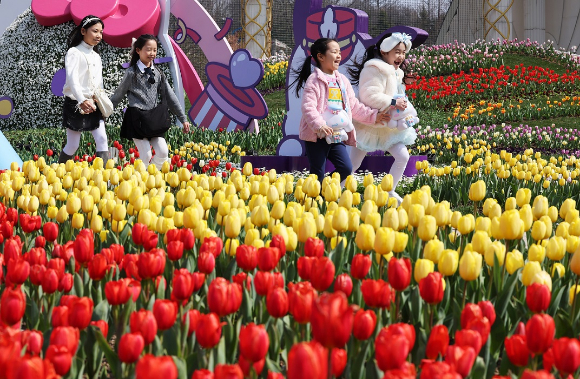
(314, 102)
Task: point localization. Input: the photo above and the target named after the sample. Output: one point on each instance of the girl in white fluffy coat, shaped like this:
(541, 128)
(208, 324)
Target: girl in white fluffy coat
(380, 79)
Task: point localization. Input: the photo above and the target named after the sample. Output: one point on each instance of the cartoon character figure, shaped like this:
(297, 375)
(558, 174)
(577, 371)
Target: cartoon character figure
(403, 119)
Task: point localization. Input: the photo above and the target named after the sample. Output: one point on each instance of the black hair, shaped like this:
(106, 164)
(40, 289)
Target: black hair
(320, 46)
(75, 37)
(139, 43)
(373, 51)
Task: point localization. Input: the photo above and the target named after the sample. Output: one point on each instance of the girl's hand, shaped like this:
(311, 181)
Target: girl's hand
(401, 104)
(383, 116)
(88, 106)
(186, 126)
(325, 130)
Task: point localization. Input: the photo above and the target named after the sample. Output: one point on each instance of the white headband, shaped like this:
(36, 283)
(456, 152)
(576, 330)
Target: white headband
(389, 43)
(90, 20)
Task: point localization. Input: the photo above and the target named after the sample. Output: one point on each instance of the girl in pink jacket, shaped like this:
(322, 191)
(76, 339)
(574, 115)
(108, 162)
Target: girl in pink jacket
(328, 107)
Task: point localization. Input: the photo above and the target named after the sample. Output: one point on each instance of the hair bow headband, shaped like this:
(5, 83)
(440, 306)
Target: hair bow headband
(89, 20)
(389, 43)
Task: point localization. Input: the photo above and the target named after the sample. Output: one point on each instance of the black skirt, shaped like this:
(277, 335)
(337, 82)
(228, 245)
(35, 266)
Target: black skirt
(132, 128)
(73, 119)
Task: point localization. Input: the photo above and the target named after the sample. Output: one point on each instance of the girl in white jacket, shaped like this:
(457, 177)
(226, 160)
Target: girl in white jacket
(380, 79)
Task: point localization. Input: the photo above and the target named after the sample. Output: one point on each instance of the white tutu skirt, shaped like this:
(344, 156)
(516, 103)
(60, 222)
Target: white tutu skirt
(370, 138)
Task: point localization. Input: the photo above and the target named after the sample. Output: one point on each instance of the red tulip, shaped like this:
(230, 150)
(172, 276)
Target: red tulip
(431, 288)
(80, 312)
(36, 256)
(37, 273)
(66, 336)
(364, 324)
(144, 323)
(12, 249)
(174, 250)
(213, 245)
(360, 266)
(50, 231)
(209, 330)
(399, 273)
(224, 297)
(7, 229)
(322, 274)
(243, 280)
(138, 232)
(540, 331)
(274, 375)
(482, 326)
(98, 267)
(263, 282)
(84, 247)
(307, 360)
(566, 355)
(304, 266)
(165, 312)
(247, 257)
(338, 361)
(117, 292)
(376, 293)
(469, 313)
(542, 374)
(130, 347)
(487, 310)
(26, 367)
(12, 306)
(314, 247)
(151, 264)
(187, 238)
(407, 371)
(102, 325)
(33, 339)
(469, 338)
(460, 359)
(548, 360)
(517, 350)
(40, 241)
(247, 366)
(404, 329)
(198, 280)
(59, 316)
(60, 358)
(191, 316)
(278, 241)
(277, 302)
(156, 367)
(50, 281)
(267, 258)
(343, 283)
(206, 262)
(437, 370)
(300, 299)
(18, 272)
(438, 342)
(224, 371)
(538, 297)
(202, 374)
(59, 265)
(173, 235)
(183, 284)
(331, 319)
(391, 350)
(150, 239)
(254, 342)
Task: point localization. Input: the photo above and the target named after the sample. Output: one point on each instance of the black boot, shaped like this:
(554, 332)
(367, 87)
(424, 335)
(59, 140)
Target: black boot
(104, 155)
(63, 157)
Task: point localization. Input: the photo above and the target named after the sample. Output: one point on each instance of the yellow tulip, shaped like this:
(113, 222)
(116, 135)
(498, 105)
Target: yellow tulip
(572, 243)
(423, 267)
(477, 191)
(62, 215)
(466, 224)
(384, 240)
(365, 237)
(523, 197)
(231, 246)
(559, 269)
(526, 216)
(553, 213)
(292, 240)
(432, 250)
(496, 249)
(278, 209)
(511, 225)
(340, 220)
(251, 235)
(356, 199)
(403, 219)
(51, 212)
(574, 289)
(483, 224)
(401, 240)
(78, 220)
(572, 215)
(567, 205)
(562, 229)
(387, 183)
(351, 184)
(272, 194)
(480, 241)
(97, 224)
(455, 216)
(371, 193)
(427, 228)
(540, 207)
(336, 240)
(247, 169)
(529, 271)
(442, 214)
(514, 261)
(306, 228)
(575, 262)
(353, 220)
(233, 225)
(124, 190)
(178, 219)
(548, 222)
(382, 198)
(416, 213)
(73, 204)
(448, 262)
(368, 207)
(542, 277)
(191, 217)
(391, 219)
(260, 216)
(346, 199)
(470, 265)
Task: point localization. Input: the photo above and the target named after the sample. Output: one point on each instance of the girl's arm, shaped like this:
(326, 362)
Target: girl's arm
(360, 112)
(72, 65)
(123, 88)
(372, 89)
(310, 98)
(173, 103)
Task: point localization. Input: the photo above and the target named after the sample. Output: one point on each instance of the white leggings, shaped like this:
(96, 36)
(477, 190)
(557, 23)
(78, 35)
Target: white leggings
(398, 151)
(73, 139)
(145, 153)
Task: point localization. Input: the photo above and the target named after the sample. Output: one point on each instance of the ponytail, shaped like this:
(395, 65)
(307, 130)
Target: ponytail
(371, 52)
(320, 46)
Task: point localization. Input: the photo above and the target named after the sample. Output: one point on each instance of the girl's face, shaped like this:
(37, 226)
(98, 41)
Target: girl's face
(93, 34)
(148, 53)
(396, 56)
(330, 61)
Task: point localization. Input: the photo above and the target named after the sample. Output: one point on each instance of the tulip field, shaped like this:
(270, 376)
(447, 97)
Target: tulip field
(211, 269)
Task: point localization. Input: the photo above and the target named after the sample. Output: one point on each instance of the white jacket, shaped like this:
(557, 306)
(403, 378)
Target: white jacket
(77, 72)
